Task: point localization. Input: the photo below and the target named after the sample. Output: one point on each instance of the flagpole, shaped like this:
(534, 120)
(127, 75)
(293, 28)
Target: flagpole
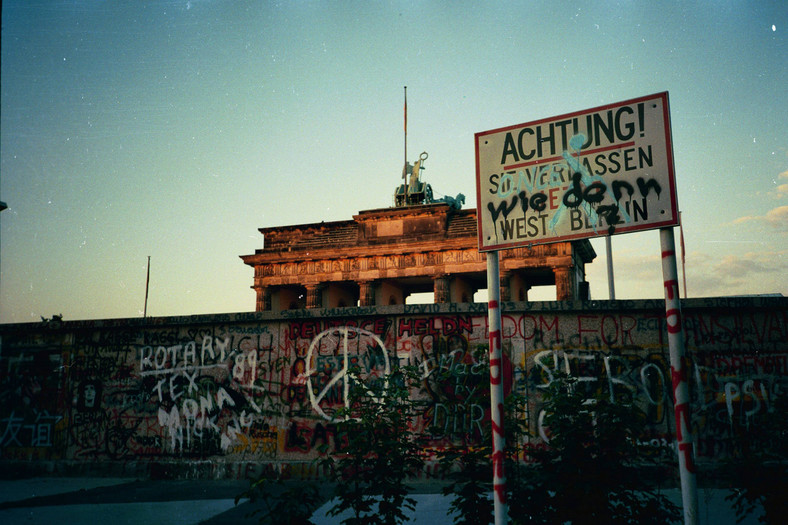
(683, 253)
(147, 282)
(611, 283)
(405, 165)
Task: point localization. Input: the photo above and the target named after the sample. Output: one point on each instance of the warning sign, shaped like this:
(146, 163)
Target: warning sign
(597, 172)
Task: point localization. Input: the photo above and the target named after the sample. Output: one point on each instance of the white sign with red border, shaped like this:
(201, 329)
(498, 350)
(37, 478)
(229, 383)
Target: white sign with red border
(601, 171)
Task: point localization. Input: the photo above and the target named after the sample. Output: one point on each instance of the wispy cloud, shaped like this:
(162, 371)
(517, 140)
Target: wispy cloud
(734, 267)
(781, 186)
(746, 273)
(639, 267)
(776, 218)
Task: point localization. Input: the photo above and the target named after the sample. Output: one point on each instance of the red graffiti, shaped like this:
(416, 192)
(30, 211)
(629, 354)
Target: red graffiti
(495, 340)
(498, 464)
(672, 289)
(496, 371)
(435, 326)
(682, 421)
(500, 491)
(532, 326)
(497, 422)
(677, 377)
(673, 317)
(685, 450)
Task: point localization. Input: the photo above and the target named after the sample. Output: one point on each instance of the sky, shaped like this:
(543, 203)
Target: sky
(175, 129)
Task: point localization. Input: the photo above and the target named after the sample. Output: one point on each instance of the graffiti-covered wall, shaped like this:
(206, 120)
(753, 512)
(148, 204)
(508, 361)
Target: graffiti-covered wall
(241, 392)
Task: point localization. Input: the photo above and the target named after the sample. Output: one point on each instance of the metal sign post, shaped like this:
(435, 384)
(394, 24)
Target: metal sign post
(147, 284)
(496, 387)
(611, 283)
(592, 173)
(678, 372)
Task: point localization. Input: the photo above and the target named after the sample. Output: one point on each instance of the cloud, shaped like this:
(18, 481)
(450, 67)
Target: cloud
(781, 191)
(738, 274)
(740, 267)
(776, 218)
(639, 267)
(707, 275)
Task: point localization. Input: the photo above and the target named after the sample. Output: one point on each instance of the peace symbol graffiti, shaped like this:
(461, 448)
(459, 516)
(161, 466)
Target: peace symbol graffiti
(338, 338)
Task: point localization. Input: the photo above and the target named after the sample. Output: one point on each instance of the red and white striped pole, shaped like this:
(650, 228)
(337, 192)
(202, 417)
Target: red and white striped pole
(679, 368)
(496, 387)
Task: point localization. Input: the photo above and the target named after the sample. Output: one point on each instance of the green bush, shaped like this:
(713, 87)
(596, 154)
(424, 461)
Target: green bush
(372, 468)
(758, 470)
(282, 502)
(591, 471)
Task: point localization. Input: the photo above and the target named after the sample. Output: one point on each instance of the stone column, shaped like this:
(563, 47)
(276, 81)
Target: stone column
(506, 294)
(314, 295)
(440, 288)
(564, 283)
(258, 302)
(263, 299)
(366, 293)
(518, 287)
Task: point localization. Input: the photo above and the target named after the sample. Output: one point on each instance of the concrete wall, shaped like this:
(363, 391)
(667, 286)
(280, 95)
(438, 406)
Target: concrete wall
(226, 395)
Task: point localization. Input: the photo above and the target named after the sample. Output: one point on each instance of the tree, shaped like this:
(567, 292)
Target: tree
(381, 451)
(591, 471)
(759, 466)
(469, 471)
(282, 503)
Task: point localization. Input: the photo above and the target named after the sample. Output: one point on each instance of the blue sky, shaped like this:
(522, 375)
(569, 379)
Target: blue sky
(176, 129)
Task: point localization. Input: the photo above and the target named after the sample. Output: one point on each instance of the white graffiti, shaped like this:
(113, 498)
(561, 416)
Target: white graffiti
(334, 337)
(649, 378)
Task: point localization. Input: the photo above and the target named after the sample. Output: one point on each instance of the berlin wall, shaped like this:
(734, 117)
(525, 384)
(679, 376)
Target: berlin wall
(233, 395)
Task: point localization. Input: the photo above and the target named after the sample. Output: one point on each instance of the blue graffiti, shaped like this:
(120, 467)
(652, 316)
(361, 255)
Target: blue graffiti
(588, 180)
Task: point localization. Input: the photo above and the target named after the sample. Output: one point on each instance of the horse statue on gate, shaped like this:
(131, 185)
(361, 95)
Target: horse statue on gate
(416, 192)
(455, 203)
